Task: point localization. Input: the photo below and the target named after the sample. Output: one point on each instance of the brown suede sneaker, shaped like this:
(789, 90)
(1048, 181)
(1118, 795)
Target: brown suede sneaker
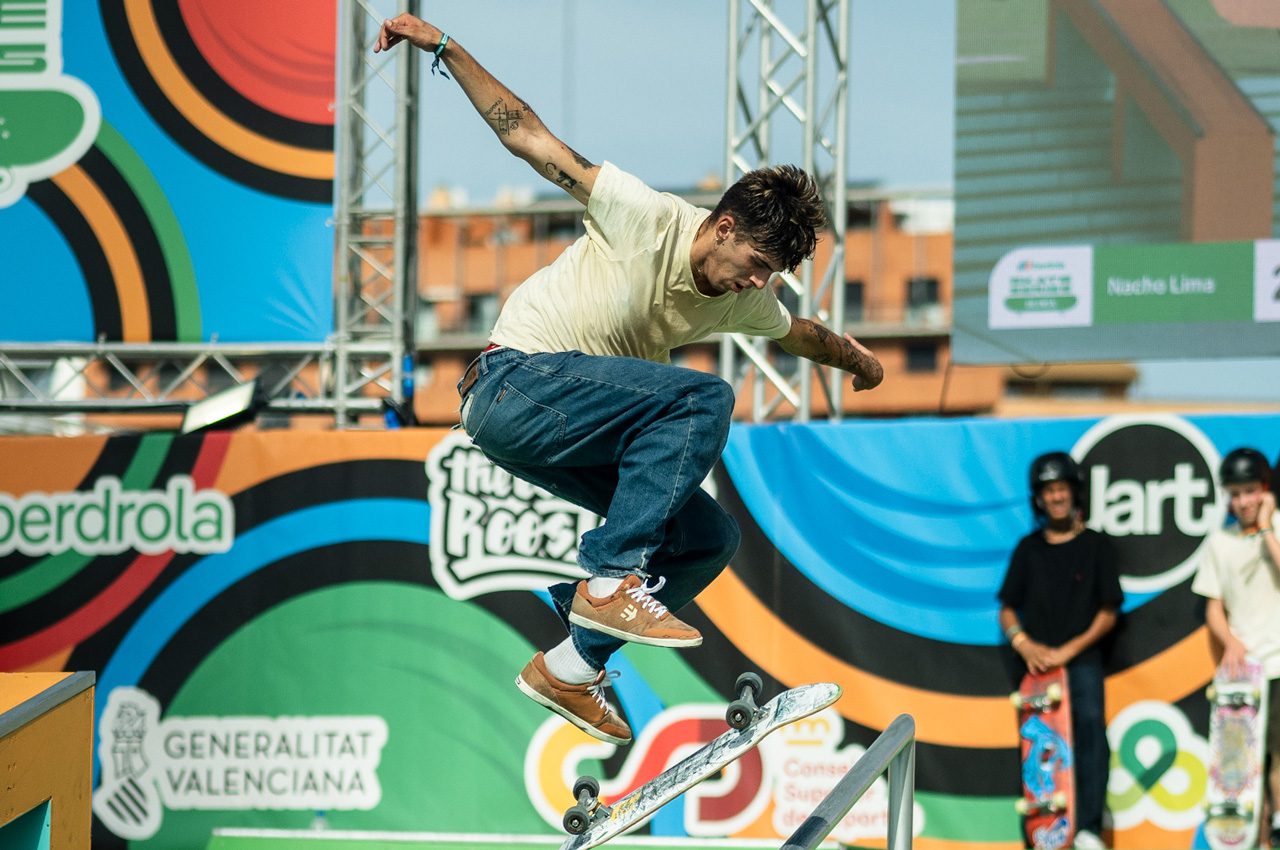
(632, 614)
(582, 705)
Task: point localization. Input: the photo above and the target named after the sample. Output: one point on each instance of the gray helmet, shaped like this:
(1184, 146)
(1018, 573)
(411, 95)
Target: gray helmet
(1056, 466)
(1244, 465)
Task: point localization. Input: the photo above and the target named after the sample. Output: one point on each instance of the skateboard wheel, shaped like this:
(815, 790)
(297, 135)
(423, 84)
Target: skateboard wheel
(1054, 692)
(576, 820)
(1021, 806)
(751, 681)
(1211, 692)
(738, 715)
(587, 785)
(1015, 699)
(1058, 802)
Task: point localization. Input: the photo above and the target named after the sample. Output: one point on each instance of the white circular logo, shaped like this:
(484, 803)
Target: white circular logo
(1151, 487)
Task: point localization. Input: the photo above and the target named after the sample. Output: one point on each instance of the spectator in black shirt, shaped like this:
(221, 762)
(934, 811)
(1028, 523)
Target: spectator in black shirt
(1059, 598)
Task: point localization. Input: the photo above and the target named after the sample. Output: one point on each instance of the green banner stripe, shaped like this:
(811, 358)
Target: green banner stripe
(177, 257)
(952, 817)
(45, 575)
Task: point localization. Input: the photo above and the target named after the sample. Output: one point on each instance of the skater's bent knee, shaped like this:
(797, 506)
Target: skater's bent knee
(716, 394)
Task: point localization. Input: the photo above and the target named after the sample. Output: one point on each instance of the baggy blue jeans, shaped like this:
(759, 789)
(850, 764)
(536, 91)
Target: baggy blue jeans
(627, 439)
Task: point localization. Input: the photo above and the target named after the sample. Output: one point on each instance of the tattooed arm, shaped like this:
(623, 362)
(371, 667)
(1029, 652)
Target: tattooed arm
(811, 340)
(517, 126)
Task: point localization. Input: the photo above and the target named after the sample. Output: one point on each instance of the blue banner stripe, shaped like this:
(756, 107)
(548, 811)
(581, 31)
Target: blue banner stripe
(400, 520)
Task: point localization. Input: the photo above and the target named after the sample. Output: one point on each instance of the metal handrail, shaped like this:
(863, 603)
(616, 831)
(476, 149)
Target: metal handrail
(894, 753)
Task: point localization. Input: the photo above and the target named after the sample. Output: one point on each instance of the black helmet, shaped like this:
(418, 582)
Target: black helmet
(1056, 466)
(1244, 465)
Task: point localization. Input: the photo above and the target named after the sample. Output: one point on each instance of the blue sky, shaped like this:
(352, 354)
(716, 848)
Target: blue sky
(643, 84)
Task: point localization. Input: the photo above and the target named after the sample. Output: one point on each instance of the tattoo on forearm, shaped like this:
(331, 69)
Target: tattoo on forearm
(831, 350)
(554, 173)
(580, 159)
(505, 120)
(826, 357)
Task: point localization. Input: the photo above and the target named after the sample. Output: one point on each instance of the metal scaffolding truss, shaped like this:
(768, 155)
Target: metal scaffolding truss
(368, 358)
(120, 378)
(787, 100)
(376, 211)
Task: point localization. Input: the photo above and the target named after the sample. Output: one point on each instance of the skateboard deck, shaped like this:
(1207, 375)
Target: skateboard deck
(1048, 798)
(1237, 731)
(607, 822)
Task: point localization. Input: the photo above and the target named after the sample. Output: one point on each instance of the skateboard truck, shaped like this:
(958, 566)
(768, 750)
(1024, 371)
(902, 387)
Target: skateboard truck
(1055, 803)
(588, 809)
(1041, 702)
(1230, 809)
(743, 710)
(1233, 698)
(578, 817)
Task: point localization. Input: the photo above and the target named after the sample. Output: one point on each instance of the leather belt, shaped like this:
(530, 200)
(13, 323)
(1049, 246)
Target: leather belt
(472, 374)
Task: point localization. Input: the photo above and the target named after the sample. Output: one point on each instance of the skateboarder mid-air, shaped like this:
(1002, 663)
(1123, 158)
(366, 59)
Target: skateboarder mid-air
(1240, 577)
(1059, 598)
(576, 393)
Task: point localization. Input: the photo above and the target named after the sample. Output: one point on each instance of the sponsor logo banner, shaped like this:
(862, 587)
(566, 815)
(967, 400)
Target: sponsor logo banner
(1172, 283)
(228, 763)
(108, 520)
(1158, 768)
(47, 119)
(490, 531)
(1042, 288)
(770, 790)
(1266, 280)
(1151, 488)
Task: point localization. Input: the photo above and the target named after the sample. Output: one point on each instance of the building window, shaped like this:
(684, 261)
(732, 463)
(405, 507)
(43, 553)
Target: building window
(922, 291)
(854, 293)
(922, 357)
(922, 301)
(563, 226)
(482, 314)
(427, 325)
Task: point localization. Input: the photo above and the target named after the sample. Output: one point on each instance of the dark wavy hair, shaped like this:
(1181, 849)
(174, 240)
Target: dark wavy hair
(779, 209)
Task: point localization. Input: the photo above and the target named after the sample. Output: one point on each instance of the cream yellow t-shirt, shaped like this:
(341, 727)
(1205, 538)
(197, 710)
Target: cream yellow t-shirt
(626, 287)
(1238, 570)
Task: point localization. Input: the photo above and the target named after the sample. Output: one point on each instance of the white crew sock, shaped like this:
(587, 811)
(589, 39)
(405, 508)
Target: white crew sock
(601, 587)
(567, 665)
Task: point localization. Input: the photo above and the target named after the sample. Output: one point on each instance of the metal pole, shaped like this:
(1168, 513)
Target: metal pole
(349, 153)
(812, 135)
(728, 352)
(405, 246)
(896, 745)
(902, 783)
(839, 202)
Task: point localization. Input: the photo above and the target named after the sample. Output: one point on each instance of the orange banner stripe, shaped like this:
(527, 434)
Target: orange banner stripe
(956, 721)
(940, 718)
(254, 457)
(1167, 676)
(47, 464)
(243, 142)
(135, 312)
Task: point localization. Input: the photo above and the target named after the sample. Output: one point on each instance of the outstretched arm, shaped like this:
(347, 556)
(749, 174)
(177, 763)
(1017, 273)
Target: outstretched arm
(811, 340)
(517, 126)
